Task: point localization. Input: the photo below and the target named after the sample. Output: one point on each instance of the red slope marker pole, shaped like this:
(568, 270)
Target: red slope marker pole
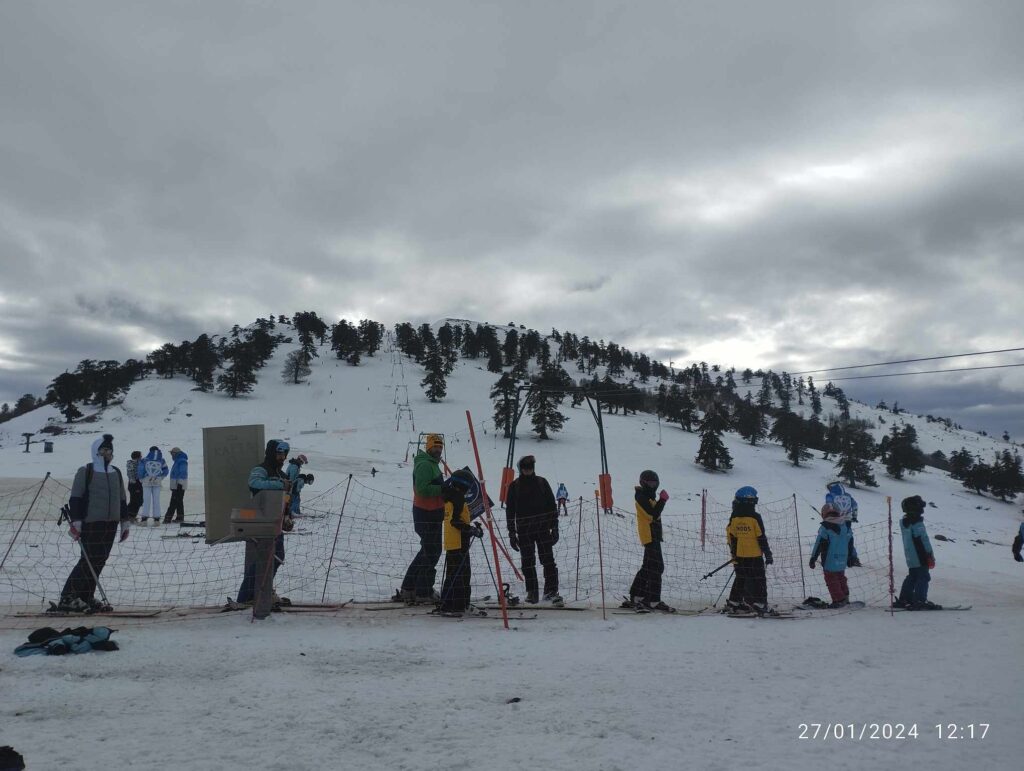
(490, 524)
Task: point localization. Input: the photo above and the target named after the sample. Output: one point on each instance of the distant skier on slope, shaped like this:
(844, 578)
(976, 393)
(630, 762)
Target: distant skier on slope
(562, 497)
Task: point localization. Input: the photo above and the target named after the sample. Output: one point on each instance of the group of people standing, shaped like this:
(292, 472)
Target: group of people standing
(145, 482)
(99, 506)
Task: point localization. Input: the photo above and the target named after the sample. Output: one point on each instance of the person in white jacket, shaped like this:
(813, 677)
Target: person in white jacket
(151, 470)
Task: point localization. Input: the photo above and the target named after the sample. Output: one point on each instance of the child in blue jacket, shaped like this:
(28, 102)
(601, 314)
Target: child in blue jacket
(920, 557)
(834, 547)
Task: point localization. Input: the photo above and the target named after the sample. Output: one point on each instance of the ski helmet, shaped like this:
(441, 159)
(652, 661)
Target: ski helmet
(283, 446)
(913, 505)
(746, 492)
(649, 478)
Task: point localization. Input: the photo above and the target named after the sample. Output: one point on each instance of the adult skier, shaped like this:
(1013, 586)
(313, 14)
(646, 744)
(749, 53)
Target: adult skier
(532, 518)
(428, 520)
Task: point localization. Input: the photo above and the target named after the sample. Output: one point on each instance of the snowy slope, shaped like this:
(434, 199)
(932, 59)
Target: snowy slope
(361, 690)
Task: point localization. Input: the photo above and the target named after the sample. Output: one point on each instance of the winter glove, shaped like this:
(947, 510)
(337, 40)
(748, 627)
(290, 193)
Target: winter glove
(931, 561)
(768, 558)
(1018, 557)
(812, 564)
(124, 529)
(476, 530)
(513, 541)
(76, 531)
(554, 535)
(663, 496)
(853, 562)
(287, 524)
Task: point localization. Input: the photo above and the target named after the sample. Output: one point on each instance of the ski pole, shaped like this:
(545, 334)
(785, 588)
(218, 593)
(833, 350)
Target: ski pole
(723, 589)
(724, 564)
(95, 577)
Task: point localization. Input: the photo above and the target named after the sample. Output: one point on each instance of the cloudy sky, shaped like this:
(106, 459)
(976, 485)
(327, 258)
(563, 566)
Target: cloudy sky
(789, 184)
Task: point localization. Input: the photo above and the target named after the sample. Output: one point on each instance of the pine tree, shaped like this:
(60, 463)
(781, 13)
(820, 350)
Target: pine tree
(1007, 477)
(815, 398)
(434, 384)
(552, 383)
(978, 477)
(960, 462)
(204, 362)
(371, 335)
(510, 348)
(856, 449)
(712, 453)
(65, 390)
(790, 432)
(764, 396)
(240, 375)
(750, 421)
(902, 453)
(503, 395)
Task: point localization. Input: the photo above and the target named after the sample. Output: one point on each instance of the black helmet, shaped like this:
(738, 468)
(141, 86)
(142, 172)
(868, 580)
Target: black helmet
(649, 478)
(913, 505)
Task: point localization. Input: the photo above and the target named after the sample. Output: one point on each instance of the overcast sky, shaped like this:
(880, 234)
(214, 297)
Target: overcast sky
(794, 185)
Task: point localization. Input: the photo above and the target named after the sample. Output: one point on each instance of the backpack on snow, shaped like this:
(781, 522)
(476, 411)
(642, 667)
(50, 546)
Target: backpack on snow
(82, 639)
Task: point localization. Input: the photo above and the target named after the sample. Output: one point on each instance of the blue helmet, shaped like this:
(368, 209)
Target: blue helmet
(283, 446)
(746, 492)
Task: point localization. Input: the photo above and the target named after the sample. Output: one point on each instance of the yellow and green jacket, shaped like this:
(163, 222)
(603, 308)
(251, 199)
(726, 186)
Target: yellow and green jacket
(454, 525)
(648, 516)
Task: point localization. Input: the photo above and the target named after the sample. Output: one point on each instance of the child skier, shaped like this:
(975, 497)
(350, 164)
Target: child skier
(458, 535)
(562, 496)
(645, 592)
(748, 545)
(834, 546)
(920, 557)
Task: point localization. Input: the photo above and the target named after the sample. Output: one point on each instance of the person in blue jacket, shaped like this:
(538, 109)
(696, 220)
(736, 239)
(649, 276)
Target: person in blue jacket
(834, 547)
(268, 475)
(298, 481)
(920, 557)
(841, 501)
(151, 472)
(562, 498)
(179, 481)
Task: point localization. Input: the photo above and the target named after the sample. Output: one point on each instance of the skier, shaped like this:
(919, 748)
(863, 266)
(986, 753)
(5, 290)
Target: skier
(179, 481)
(98, 504)
(428, 520)
(920, 557)
(458, 535)
(841, 501)
(298, 481)
(748, 545)
(645, 592)
(134, 485)
(1017, 543)
(268, 475)
(834, 546)
(151, 470)
(532, 518)
(562, 496)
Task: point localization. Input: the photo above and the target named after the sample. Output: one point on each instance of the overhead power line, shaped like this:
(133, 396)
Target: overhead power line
(924, 372)
(908, 361)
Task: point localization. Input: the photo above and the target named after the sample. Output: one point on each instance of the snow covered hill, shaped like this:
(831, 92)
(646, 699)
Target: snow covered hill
(564, 691)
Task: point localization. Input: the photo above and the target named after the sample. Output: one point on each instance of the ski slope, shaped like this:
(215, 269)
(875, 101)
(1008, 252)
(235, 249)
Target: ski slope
(389, 690)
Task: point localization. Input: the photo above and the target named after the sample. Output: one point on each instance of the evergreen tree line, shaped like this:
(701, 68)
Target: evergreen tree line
(1003, 477)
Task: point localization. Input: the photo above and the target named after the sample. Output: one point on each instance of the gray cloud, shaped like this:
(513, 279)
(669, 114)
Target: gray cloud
(790, 185)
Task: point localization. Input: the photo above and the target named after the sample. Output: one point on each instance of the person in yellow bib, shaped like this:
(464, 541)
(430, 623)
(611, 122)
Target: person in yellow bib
(458, 534)
(748, 545)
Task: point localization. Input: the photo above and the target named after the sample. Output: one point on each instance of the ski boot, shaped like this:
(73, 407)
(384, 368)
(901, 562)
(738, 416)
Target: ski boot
(531, 598)
(628, 602)
(95, 606)
(70, 605)
(737, 608)
(554, 598)
(661, 607)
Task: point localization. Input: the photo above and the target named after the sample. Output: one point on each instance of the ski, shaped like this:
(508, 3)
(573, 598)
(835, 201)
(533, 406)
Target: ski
(477, 617)
(54, 613)
(854, 605)
(930, 610)
(532, 608)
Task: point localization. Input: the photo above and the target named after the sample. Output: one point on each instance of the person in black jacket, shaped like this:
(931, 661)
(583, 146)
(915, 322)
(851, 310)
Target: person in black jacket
(533, 528)
(645, 592)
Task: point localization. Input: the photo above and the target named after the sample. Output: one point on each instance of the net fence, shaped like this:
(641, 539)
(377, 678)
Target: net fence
(355, 542)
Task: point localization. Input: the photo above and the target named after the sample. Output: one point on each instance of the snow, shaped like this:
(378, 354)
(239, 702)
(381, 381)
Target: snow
(396, 689)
